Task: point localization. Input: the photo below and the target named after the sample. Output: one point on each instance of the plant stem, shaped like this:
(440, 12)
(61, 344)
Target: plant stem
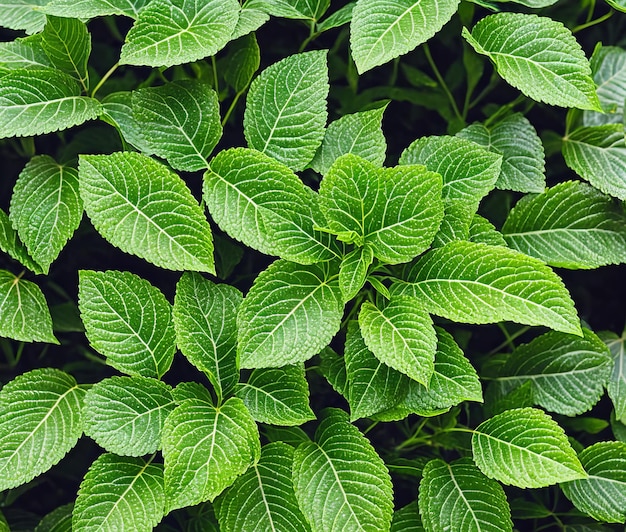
(312, 35)
(593, 22)
(441, 81)
(509, 339)
(231, 108)
(215, 80)
(103, 79)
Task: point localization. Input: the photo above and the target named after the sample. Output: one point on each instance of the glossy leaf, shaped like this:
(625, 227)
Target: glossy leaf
(67, 44)
(22, 15)
(23, 53)
(13, 246)
(482, 231)
(353, 271)
(340, 17)
(608, 65)
(294, 9)
(117, 110)
(86, 9)
(244, 58)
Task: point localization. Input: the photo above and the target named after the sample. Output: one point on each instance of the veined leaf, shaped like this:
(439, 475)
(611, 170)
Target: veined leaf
(598, 155)
(125, 415)
(205, 319)
(608, 64)
(571, 225)
(22, 15)
(243, 60)
(127, 320)
(286, 109)
(535, 4)
(205, 449)
(171, 32)
(353, 271)
(58, 520)
(117, 110)
(381, 30)
(294, 9)
(477, 283)
(603, 494)
(289, 315)
(40, 421)
(23, 53)
(120, 493)
(11, 244)
(143, 208)
(457, 217)
(46, 208)
(524, 447)
(86, 9)
(179, 121)
(616, 386)
(67, 44)
(263, 497)
(482, 231)
(292, 436)
(407, 519)
(341, 483)
(34, 102)
(537, 55)
(250, 20)
(340, 17)
(191, 390)
(457, 496)
(333, 368)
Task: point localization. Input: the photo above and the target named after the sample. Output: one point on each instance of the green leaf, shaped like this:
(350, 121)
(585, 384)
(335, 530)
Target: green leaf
(524, 447)
(125, 415)
(58, 520)
(11, 244)
(482, 231)
(289, 315)
(457, 217)
(333, 368)
(381, 30)
(568, 374)
(205, 449)
(294, 9)
(120, 493)
(340, 17)
(24, 314)
(523, 159)
(262, 203)
(263, 497)
(243, 60)
(608, 64)
(171, 32)
(286, 109)
(249, 20)
(191, 390)
(117, 111)
(293, 436)
(23, 53)
(598, 155)
(145, 209)
(617, 4)
(179, 121)
(46, 208)
(616, 386)
(40, 421)
(537, 55)
(457, 496)
(407, 519)
(342, 469)
(353, 271)
(67, 44)
(571, 225)
(86, 9)
(34, 102)
(22, 15)
(477, 283)
(278, 396)
(205, 319)
(358, 133)
(127, 320)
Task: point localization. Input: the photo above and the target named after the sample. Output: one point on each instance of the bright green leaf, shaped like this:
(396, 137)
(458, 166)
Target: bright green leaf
(250, 20)
(243, 60)
(333, 368)
(67, 44)
(340, 17)
(608, 65)
(191, 390)
(294, 9)
(117, 111)
(11, 244)
(482, 231)
(86, 9)
(353, 271)
(22, 15)
(455, 224)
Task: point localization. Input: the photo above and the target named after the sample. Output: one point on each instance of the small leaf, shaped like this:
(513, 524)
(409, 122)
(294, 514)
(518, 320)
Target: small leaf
(120, 493)
(482, 231)
(11, 244)
(243, 60)
(333, 368)
(616, 386)
(608, 65)
(250, 20)
(127, 320)
(286, 109)
(340, 17)
(58, 520)
(457, 217)
(191, 390)
(342, 469)
(86, 9)
(40, 421)
(145, 209)
(524, 447)
(407, 519)
(22, 15)
(353, 271)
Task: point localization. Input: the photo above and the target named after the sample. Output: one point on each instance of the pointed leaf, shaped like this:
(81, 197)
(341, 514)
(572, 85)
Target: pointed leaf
(67, 44)
(482, 231)
(353, 271)
(58, 520)
(117, 110)
(249, 20)
(145, 209)
(191, 390)
(616, 386)
(333, 368)
(340, 17)
(11, 244)
(243, 60)
(608, 65)
(86, 9)
(22, 15)
(40, 421)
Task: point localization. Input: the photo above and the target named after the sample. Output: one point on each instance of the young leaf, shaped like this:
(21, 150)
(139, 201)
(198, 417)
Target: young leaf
(353, 271)
(286, 109)
(333, 368)
(477, 283)
(205, 449)
(289, 315)
(603, 494)
(340, 17)
(263, 497)
(457, 496)
(340, 482)
(381, 30)
(58, 520)
(616, 387)
(86, 9)
(179, 121)
(34, 102)
(482, 231)
(127, 320)
(11, 244)
(205, 319)
(125, 415)
(24, 313)
(46, 208)
(243, 60)
(524, 447)
(23, 53)
(537, 55)
(145, 209)
(250, 19)
(22, 15)
(171, 32)
(120, 493)
(608, 65)
(191, 390)
(40, 421)
(571, 225)
(278, 396)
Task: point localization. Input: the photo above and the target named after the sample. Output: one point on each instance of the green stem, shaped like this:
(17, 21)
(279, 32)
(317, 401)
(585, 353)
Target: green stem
(312, 35)
(510, 338)
(215, 79)
(104, 78)
(232, 107)
(441, 81)
(593, 22)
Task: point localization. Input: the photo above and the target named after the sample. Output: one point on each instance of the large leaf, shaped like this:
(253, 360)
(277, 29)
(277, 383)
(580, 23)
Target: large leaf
(11, 244)
(23, 53)
(86, 9)
(526, 448)
(537, 55)
(616, 387)
(143, 208)
(263, 497)
(382, 30)
(608, 65)
(477, 283)
(171, 32)
(571, 225)
(341, 483)
(127, 320)
(289, 315)
(205, 449)
(40, 421)
(457, 496)
(286, 109)
(22, 15)
(120, 493)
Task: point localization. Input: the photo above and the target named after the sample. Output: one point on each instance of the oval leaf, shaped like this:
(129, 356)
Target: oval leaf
(608, 65)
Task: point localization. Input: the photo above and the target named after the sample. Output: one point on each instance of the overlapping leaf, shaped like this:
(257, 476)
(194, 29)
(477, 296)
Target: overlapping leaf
(86, 9)
(67, 44)
(243, 60)
(22, 15)
(23, 53)
(58, 520)
(616, 387)
(353, 271)
(455, 225)
(608, 65)
(117, 110)
(250, 19)
(482, 231)
(11, 244)
(294, 9)
(407, 519)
